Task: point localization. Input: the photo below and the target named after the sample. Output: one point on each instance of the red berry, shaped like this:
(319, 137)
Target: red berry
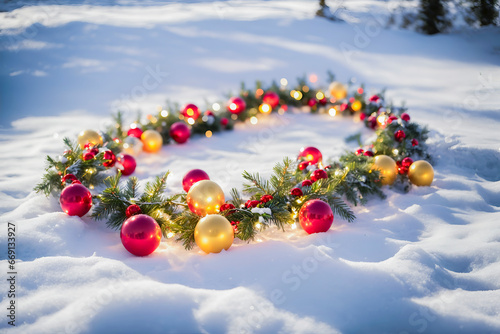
(303, 165)
(399, 135)
(414, 142)
(227, 206)
(109, 159)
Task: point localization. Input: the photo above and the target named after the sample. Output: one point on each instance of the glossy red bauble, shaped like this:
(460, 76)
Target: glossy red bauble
(135, 132)
(179, 131)
(312, 102)
(76, 200)
(399, 135)
(140, 235)
(109, 159)
(315, 216)
(272, 99)
(192, 177)
(405, 117)
(311, 154)
(126, 164)
(318, 174)
(191, 111)
(236, 105)
(133, 210)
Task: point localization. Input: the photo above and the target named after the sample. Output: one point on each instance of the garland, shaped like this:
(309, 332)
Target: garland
(276, 201)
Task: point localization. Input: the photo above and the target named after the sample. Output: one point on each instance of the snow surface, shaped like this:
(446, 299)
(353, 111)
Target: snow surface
(427, 261)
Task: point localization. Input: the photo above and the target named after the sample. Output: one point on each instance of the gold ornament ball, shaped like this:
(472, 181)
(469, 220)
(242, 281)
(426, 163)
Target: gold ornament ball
(132, 145)
(356, 105)
(205, 197)
(213, 233)
(387, 167)
(89, 136)
(152, 141)
(338, 90)
(421, 173)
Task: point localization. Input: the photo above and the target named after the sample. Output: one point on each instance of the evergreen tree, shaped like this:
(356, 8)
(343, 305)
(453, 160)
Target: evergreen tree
(432, 16)
(485, 11)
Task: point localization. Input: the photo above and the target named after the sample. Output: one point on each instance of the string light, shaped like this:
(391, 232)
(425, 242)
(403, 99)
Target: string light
(259, 92)
(164, 113)
(395, 151)
(296, 94)
(216, 107)
(265, 108)
(170, 235)
(258, 226)
(254, 120)
(313, 78)
(190, 121)
(233, 106)
(294, 226)
(332, 111)
(305, 89)
(284, 81)
(208, 133)
(234, 117)
(320, 95)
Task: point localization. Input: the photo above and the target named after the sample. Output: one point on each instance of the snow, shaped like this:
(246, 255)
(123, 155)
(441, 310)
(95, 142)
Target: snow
(426, 261)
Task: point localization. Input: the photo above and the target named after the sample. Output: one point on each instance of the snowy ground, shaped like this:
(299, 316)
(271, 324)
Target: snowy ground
(427, 261)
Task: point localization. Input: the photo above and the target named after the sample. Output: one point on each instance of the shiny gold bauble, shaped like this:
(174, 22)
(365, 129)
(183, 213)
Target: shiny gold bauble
(338, 90)
(421, 173)
(205, 197)
(89, 136)
(387, 167)
(213, 233)
(356, 105)
(152, 141)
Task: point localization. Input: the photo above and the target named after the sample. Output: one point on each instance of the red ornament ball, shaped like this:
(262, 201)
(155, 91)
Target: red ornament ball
(306, 183)
(191, 111)
(68, 178)
(296, 192)
(359, 151)
(406, 162)
(224, 121)
(315, 216)
(362, 116)
(133, 210)
(374, 98)
(303, 165)
(318, 174)
(135, 132)
(179, 131)
(227, 206)
(236, 105)
(372, 122)
(414, 142)
(140, 235)
(109, 159)
(399, 135)
(312, 102)
(323, 101)
(391, 119)
(266, 198)
(76, 200)
(193, 176)
(126, 164)
(272, 99)
(368, 153)
(251, 204)
(311, 154)
(405, 117)
(88, 156)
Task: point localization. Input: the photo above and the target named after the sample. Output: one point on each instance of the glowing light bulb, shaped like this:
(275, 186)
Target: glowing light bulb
(320, 95)
(294, 226)
(164, 113)
(216, 107)
(395, 151)
(208, 133)
(313, 78)
(265, 108)
(332, 112)
(190, 121)
(170, 234)
(297, 95)
(233, 106)
(305, 89)
(284, 81)
(254, 120)
(258, 225)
